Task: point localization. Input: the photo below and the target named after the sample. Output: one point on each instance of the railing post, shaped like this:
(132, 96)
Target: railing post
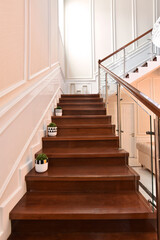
(119, 114)
(106, 75)
(157, 171)
(99, 77)
(152, 52)
(124, 62)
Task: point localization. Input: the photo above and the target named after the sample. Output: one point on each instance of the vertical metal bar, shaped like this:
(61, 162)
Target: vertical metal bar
(99, 78)
(152, 178)
(152, 52)
(106, 75)
(157, 171)
(124, 62)
(119, 114)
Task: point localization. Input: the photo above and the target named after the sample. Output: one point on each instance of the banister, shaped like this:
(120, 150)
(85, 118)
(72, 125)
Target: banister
(149, 103)
(136, 39)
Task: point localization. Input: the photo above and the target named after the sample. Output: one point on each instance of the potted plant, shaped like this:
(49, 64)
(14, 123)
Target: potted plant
(41, 163)
(58, 111)
(52, 129)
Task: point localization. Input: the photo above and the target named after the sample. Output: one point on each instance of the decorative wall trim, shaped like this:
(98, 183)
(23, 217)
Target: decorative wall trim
(49, 31)
(38, 73)
(11, 88)
(28, 141)
(20, 97)
(30, 77)
(54, 64)
(92, 57)
(21, 82)
(114, 45)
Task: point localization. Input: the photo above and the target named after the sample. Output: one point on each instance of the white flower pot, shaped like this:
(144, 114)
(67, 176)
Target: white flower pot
(58, 112)
(52, 131)
(40, 168)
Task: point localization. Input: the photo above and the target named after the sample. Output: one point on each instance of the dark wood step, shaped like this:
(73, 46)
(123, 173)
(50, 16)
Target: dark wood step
(79, 144)
(83, 179)
(82, 206)
(82, 105)
(86, 130)
(80, 95)
(81, 100)
(44, 227)
(82, 119)
(86, 236)
(104, 158)
(85, 111)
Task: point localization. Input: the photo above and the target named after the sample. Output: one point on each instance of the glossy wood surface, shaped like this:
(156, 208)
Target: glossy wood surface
(89, 192)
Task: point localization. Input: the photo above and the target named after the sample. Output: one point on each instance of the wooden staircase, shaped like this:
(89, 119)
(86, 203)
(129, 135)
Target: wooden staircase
(89, 191)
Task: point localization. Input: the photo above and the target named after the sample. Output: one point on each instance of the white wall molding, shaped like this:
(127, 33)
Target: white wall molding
(26, 92)
(30, 77)
(38, 73)
(24, 106)
(23, 81)
(92, 55)
(11, 88)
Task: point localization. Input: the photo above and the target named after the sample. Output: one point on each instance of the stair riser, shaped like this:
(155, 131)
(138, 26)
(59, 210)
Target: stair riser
(81, 186)
(119, 161)
(77, 106)
(85, 131)
(53, 226)
(60, 121)
(80, 96)
(80, 101)
(84, 112)
(79, 146)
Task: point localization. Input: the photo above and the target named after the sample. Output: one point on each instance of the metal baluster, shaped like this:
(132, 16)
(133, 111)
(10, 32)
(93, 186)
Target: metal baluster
(106, 75)
(124, 62)
(157, 171)
(119, 114)
(99, 78)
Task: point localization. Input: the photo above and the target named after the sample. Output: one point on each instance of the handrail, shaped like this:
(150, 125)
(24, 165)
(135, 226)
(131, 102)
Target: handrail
(100, 61)
(149, 103)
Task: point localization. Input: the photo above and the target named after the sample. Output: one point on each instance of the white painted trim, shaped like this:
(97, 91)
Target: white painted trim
(92, 36)
(38, 73)
(24, 106)
(49, 32)
(19, 98)
(114, 24)
(91, 47)
(54, 64)
(21, 82)
(29, 37)
(26, 40)
(5, 184)
(30, 77)
(11, 88)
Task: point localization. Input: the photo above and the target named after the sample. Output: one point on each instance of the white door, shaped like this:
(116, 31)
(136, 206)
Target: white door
(128, 128)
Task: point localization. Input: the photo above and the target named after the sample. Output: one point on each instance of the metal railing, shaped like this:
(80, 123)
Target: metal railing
(115, 86)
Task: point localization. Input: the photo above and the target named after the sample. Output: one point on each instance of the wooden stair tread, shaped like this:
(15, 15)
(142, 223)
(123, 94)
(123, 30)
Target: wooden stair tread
(83, 173)
(44, 205)
(87, 236)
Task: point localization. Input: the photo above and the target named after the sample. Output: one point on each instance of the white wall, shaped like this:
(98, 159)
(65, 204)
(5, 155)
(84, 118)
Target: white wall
(96, 28)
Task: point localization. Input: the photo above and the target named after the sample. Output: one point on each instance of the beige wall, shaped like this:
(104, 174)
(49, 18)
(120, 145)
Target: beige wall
(31, 82)
(29, 44)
